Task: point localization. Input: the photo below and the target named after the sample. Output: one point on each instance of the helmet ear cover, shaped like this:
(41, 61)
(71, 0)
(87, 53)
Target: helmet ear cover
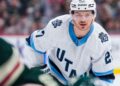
(93, 12)
(72, 12)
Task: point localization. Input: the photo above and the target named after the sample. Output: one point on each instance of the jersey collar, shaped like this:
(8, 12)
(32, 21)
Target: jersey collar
(77, 41)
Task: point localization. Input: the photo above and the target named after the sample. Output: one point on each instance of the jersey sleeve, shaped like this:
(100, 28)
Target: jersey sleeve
(37, 44)
(31, 58)
(103, 65)
(44, 39)
(40, 40)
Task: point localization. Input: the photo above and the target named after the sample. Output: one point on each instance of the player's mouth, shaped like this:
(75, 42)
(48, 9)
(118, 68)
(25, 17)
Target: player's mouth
(83, 26)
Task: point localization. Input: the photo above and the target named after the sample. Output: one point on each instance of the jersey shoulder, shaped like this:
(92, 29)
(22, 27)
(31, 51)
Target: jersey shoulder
(59, 21)
(101, 41)
(100, 34)
(41, 40)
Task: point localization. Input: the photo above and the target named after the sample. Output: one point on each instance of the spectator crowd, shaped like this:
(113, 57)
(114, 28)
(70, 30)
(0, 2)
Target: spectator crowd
(22, 17)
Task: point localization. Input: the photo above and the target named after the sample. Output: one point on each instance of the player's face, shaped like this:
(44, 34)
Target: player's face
(82, 21)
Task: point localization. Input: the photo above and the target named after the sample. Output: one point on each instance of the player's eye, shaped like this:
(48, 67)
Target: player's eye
(87, 15)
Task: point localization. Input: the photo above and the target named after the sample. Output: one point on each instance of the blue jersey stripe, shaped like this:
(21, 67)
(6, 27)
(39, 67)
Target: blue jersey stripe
(108, 80)
(56, 71)
(77, 41)
(103, 73)
(33, 46)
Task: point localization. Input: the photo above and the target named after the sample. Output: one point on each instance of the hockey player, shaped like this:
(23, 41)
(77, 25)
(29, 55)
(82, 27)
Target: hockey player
(75, 44)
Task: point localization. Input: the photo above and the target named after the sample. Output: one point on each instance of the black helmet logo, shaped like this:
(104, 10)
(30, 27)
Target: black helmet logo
(81, 0)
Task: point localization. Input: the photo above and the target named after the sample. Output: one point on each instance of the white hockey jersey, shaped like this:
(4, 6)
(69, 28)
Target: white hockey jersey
(69, 56)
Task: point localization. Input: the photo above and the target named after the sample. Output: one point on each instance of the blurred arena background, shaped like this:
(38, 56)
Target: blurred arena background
(19, 18)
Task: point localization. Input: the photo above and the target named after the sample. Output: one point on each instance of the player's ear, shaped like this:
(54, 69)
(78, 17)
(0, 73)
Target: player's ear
(93, 18)
(94, 15)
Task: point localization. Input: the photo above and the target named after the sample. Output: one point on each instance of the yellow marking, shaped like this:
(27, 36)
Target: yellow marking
(117, 71)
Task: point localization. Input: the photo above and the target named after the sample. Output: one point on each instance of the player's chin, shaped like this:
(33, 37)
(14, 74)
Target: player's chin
(83, 28)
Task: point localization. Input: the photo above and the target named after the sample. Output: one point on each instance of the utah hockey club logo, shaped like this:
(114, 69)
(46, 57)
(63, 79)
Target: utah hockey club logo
(103, 37)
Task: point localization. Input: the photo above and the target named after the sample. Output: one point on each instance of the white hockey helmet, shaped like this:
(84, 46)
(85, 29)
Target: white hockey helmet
(83, 5)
